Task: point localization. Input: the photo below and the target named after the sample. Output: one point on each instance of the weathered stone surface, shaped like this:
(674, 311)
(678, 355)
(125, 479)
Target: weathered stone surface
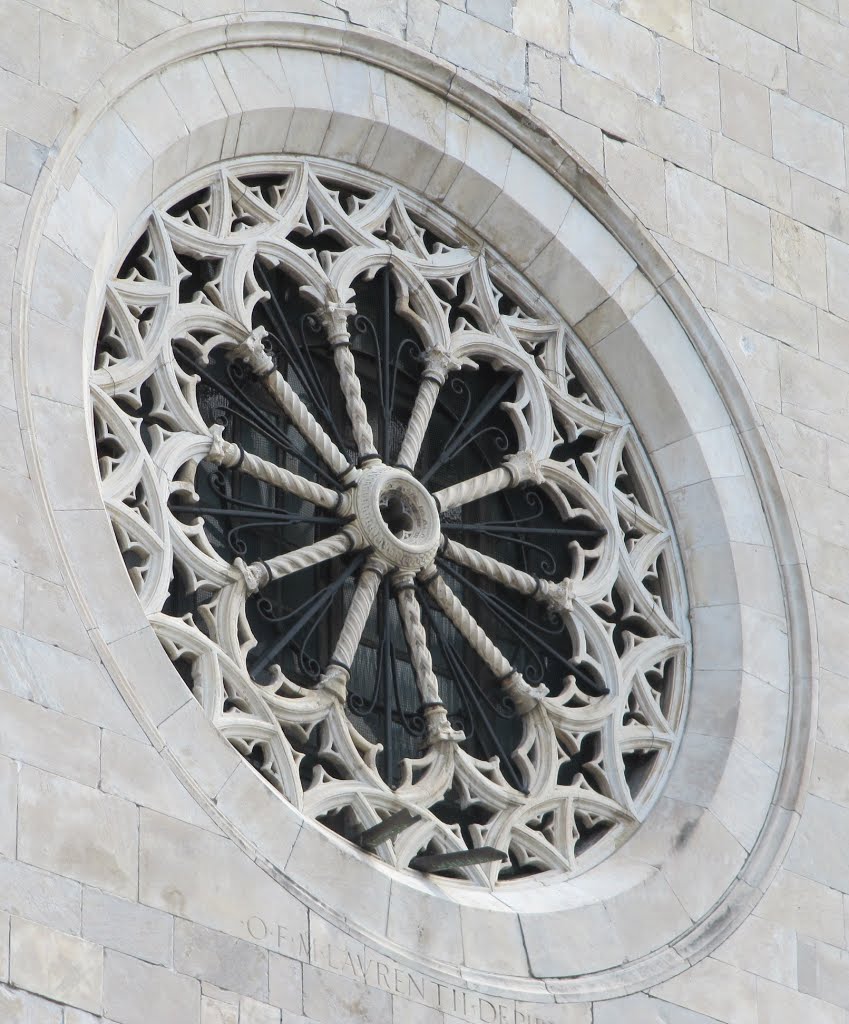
(79, 832)
(137, 993)
(59, 966)
(128, 927)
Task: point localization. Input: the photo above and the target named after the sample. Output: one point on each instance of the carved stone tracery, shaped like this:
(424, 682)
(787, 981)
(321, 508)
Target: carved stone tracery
(491, 588)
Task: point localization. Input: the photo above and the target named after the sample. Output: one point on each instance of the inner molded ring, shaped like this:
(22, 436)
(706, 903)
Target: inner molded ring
(397, 516)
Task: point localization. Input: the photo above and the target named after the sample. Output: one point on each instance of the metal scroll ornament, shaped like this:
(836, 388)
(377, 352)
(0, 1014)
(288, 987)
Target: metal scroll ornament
(404, 560)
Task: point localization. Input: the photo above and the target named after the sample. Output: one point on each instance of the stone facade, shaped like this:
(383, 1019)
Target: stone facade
(671, 176)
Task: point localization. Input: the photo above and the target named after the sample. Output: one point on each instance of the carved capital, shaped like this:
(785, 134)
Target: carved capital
(525, 468)
(559, 596)
(253, 352)
(221, 452)
(256, 576)
(439, 729)
(334, 319)
(439, 363)
(524, 696)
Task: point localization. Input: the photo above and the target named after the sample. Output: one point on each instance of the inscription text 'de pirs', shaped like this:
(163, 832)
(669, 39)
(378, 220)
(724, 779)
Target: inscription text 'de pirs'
(380, 972)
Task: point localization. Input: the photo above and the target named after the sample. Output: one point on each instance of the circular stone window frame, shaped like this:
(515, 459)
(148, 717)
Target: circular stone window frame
(735, 792)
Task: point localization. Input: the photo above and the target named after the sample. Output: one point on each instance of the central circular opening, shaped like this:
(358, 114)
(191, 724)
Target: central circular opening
(397, 515)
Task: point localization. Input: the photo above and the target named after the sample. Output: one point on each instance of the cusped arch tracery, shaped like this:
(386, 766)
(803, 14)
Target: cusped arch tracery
(390, 537)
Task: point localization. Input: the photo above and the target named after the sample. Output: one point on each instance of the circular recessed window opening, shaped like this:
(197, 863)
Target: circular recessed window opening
(395, 543)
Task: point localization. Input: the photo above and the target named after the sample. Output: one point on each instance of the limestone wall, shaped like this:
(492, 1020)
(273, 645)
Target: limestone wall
(145, 876)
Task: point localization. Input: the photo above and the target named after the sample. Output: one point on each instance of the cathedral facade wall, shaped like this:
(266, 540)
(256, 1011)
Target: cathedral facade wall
(671, 177)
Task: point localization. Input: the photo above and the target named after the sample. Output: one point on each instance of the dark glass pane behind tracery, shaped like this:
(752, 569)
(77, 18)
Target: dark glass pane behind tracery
(296, 620)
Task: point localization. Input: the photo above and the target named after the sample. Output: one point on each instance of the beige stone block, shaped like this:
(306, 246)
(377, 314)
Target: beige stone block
(61, 285)
(746, 116)
(808, 141)
(422, 16)
(780, 1004)
(799, 259)
(58, 966)
(690, 84)
(828, 564)
(49, 740)
(62, 442)
(635, 292)
(73, 57)
(414, 144)
(717, 990)
(820, 206)
(13, 207)
(749, 236)
(8, 807)
(639, 179)
(138, 772)
(253, 1011)
(807, 907)
(829, 778)
(216, 1011)
(799, 449)
(138, 993)
(734, 46)
(753, 175)
(555, 941)
(675, 138)
(196, 744)
(585, 139)
(762, 948)
(530, 210)
(544, 76)
(815, 393)
(823, 971)
(140, 20)
(210, 956)
(332, 997)
(837, 473)
(22, 1008)
(818, 849)
(115, 162)
(832, 634)
(19, 48)
(598, 101)
(39, 896)
(493, 939)
(23, 538)
(824, 40)
(615, 48)
(597, 265)
(128, 927)
(65, 682)
(768, 310)
(696, 269)
(778, 21)
(261, 911)
(477, 46)
(643, 1009)
(819, 87)
(837, 262)
(285, 982)
(544, 22)
(670, 18)
(420, 917)
(78, 832)
(30, 109)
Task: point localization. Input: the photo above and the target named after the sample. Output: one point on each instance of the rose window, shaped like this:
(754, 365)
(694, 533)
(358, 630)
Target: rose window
(386, 521)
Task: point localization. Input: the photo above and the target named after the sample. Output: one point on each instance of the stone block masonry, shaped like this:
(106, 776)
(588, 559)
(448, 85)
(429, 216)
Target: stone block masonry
(130, 891)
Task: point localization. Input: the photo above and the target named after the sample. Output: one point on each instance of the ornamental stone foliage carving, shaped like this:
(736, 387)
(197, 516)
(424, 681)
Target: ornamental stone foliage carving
(375, 507)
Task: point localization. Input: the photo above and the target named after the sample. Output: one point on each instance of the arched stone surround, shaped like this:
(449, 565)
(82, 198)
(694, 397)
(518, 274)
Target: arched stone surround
(710, 846)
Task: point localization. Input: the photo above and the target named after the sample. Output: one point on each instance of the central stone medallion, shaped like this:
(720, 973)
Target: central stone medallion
(397, 516)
